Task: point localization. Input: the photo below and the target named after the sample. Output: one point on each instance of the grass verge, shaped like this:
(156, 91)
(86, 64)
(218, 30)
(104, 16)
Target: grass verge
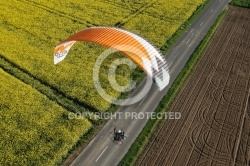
(141, 141)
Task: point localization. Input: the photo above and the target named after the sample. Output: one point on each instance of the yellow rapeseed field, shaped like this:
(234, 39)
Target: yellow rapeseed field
(34, 130)
(31, 29)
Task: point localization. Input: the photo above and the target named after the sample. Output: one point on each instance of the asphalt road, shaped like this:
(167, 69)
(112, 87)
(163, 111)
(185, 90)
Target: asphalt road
(101, 150)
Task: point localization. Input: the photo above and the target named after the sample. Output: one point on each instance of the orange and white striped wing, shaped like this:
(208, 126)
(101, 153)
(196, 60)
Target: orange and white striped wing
(144, 54)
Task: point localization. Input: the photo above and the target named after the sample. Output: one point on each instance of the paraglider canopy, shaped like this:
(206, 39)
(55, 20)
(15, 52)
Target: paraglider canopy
(143, 53)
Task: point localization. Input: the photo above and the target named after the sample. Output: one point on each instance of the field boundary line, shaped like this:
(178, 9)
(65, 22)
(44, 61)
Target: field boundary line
(60, 13)
(52, 92)
(127, 18)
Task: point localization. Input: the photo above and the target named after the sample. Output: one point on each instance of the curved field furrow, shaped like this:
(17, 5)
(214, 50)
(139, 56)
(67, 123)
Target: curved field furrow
(225, 123)
(212, 104)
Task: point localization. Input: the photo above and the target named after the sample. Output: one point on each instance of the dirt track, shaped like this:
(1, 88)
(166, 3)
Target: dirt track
(215, 126)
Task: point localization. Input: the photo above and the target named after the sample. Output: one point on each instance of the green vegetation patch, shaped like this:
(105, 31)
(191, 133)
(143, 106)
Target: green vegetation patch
(242, 3)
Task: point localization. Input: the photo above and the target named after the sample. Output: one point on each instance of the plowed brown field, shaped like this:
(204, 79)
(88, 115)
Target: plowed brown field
(214, 128)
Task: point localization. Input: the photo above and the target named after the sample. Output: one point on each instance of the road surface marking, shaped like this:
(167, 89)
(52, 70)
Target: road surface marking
(188, 41)
(212, 10)
(171, 63)
(143, 99)
(201, 24)
(101, 154)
